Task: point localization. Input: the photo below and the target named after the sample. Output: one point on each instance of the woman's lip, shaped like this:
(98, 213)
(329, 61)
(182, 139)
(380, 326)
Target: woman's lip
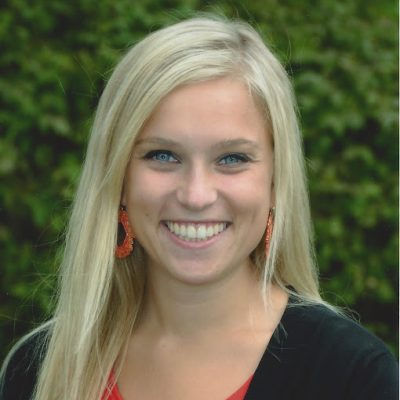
(196, 222)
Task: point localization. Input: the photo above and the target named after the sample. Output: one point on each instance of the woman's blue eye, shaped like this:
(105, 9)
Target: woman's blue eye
(161, 156)
(230, 159)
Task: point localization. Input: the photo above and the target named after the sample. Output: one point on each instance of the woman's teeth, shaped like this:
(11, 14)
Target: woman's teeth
(193, 232)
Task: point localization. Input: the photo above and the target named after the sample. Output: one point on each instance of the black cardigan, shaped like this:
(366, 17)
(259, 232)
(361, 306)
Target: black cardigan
(313, 354)
(318, 354)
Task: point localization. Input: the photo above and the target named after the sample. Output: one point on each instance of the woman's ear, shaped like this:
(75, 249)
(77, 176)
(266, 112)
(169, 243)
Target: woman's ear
(272, 198)
(123, 199)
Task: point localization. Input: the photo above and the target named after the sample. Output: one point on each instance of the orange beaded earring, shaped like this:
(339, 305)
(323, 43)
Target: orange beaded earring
(125, 236)
(268, 231)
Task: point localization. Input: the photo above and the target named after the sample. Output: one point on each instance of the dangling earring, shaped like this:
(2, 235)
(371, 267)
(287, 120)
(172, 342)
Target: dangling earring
(125, 236)
(268, 231)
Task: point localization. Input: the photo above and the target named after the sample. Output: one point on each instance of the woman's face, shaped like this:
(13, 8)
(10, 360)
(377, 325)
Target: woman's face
(199, 185)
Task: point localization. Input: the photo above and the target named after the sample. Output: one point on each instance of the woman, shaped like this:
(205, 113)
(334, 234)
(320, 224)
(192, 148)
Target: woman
(211, 291)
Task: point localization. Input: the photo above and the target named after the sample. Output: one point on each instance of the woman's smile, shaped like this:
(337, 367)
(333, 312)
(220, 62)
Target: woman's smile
(196, 231)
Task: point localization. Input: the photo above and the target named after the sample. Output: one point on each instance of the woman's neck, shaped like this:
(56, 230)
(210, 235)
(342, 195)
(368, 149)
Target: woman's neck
(229, 304)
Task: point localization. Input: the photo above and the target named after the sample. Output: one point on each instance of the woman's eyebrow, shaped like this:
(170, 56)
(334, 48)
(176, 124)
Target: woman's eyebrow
(157, 140)
(237, 142)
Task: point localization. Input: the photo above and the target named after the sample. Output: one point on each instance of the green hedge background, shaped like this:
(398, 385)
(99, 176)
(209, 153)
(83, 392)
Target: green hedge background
(343, 57)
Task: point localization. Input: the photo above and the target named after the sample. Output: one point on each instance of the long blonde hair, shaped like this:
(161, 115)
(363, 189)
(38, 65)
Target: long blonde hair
(100, 297)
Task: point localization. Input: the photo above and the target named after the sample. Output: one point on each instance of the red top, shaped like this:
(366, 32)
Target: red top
(116, 395)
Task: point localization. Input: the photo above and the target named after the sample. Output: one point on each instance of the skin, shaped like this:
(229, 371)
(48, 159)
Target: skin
(204, 159)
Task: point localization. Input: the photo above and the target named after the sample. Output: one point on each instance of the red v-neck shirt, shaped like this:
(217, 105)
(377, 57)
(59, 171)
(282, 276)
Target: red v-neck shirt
(116, 395)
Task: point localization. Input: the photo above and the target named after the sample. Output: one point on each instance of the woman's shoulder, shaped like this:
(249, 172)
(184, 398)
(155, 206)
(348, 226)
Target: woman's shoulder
(320, 327)
(20, 369)
(319, 353)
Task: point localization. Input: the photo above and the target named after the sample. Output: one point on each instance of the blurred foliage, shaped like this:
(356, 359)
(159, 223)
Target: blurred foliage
(343, 58)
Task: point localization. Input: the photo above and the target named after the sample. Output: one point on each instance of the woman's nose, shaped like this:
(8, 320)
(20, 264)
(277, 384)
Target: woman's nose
(197, 189)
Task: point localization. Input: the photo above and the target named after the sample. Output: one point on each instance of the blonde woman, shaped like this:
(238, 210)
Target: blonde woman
(188, 270)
